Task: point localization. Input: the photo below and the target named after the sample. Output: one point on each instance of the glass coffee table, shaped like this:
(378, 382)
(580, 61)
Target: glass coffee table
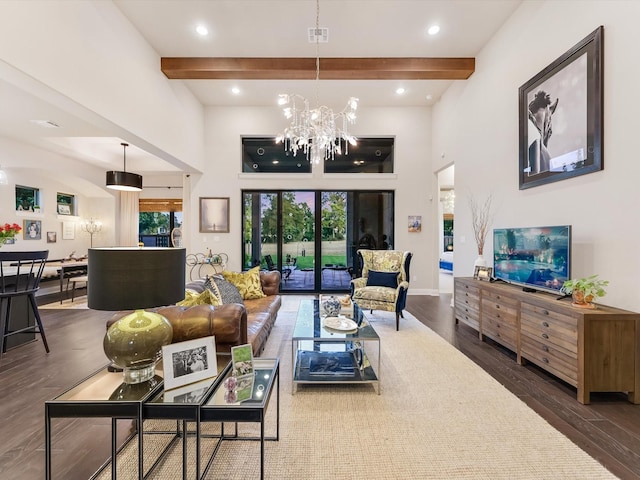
(322, 354)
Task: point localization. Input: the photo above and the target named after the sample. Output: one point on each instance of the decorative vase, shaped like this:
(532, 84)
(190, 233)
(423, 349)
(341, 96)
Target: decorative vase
(331, 306)
(480, 261)
(134, 343)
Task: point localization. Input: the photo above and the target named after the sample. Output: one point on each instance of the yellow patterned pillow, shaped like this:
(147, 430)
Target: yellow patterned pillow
(248, 283)
(192, 298)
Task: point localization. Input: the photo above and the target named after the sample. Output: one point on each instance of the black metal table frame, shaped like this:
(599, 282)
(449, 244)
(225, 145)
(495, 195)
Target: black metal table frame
(244, 414)
(143, 409)
(127, 409)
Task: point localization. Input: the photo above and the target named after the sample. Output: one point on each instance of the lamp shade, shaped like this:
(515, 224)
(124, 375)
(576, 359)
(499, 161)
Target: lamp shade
(127, 181)
(134, 278)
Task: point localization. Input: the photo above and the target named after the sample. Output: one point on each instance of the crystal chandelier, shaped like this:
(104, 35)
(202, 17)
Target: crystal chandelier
(318, 132)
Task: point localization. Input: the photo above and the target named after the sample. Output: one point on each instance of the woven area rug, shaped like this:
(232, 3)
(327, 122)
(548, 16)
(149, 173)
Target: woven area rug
(439, 416)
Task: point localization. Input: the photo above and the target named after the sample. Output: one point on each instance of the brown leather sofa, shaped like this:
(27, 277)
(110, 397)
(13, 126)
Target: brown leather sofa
(231, 324)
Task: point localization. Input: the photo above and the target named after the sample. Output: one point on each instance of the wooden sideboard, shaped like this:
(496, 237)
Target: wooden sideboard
(594, 350)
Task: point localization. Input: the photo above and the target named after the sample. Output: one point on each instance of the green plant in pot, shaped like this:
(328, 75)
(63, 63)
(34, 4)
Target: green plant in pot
(585, 290)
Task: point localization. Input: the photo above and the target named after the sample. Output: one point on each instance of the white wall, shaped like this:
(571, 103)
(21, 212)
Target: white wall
(98, 208)
(92, 56)
(415, 187)
(476, 125)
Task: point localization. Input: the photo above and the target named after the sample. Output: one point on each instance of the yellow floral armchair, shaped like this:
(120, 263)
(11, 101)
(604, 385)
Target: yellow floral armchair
(384, 282)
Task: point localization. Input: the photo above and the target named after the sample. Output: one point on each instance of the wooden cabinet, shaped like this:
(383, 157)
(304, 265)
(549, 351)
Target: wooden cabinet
(593, 350)
(467, 302)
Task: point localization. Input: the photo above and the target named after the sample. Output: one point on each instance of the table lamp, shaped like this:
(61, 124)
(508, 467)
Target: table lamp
(134, 279)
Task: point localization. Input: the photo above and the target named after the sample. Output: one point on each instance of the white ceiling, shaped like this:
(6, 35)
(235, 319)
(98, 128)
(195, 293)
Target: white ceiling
(269, 28)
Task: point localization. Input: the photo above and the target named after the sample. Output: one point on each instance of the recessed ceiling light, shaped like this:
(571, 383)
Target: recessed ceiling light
(400, 90)
(275, 162)
(433, 30)
(202, 30)
(429, 97)
(235, 90)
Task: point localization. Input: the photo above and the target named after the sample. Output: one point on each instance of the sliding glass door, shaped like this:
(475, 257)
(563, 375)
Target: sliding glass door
(312, 236)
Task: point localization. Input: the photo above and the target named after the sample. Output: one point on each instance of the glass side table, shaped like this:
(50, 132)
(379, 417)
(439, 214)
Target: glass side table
(219, 408)
(102, 394)
(182, 404)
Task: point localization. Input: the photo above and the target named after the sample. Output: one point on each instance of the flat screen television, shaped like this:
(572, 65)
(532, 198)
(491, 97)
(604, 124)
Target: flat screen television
(535, 257)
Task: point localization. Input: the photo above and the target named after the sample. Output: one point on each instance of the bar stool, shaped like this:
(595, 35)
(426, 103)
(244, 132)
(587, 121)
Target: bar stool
(20, 274)
(74, 281)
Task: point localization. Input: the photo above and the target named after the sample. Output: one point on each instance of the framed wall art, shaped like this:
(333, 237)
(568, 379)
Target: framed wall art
(32, 229)
(52, 237)
(415, 223)
(214, 214)
(561, 116)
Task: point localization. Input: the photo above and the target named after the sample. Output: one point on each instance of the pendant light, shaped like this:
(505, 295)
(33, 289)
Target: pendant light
(127, 181)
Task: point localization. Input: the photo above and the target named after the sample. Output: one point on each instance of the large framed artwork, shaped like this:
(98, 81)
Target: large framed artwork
(560, 116)
(214, 215)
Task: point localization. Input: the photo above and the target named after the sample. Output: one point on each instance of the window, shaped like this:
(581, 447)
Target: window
(66, 204)
(264, 155)
(158, 217)
(27, 198)
(370, 155)
(312, 236)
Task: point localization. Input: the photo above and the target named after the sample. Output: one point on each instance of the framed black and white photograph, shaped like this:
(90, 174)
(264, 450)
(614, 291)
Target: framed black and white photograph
(214, 214)
(561, 116)
(483, 273)
(188, 362)
(32, 230)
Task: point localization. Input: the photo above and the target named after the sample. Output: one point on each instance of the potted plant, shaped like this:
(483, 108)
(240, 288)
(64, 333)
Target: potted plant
(585, 290)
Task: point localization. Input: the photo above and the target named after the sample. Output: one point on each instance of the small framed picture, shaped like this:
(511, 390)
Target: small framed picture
(415, 223)
(242, 358)
(32, 230)
(52, 237)
(64, 209)
(214, 215)
(188, 362)
(483, 273)
(68, 230)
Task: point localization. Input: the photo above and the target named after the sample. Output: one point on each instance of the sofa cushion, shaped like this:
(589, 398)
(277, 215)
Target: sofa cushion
(382, 279)
(191, 298)
(226, 291)
(247, 282)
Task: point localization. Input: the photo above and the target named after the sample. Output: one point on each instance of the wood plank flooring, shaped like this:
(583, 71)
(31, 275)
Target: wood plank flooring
(608, 429)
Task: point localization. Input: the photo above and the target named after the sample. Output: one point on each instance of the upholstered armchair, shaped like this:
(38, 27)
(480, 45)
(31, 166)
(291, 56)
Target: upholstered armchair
(384, 281)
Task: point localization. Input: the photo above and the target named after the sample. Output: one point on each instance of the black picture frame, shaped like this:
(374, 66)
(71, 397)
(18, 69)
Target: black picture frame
(562, 137)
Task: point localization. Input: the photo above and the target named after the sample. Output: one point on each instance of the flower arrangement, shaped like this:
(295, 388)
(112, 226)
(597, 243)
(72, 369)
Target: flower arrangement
(9, 230)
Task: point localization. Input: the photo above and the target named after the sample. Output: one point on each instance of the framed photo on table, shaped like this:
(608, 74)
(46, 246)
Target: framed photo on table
(189, 362)
(214, 214)
(483, 273)
(561, 116)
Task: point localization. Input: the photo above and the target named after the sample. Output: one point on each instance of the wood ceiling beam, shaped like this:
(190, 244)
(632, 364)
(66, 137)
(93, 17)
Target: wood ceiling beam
(244, 68)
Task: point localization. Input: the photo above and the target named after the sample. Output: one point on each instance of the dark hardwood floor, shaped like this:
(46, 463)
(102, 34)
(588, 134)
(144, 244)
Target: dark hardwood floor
(608, 429)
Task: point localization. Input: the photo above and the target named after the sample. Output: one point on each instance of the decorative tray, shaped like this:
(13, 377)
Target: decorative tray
(340, 324)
